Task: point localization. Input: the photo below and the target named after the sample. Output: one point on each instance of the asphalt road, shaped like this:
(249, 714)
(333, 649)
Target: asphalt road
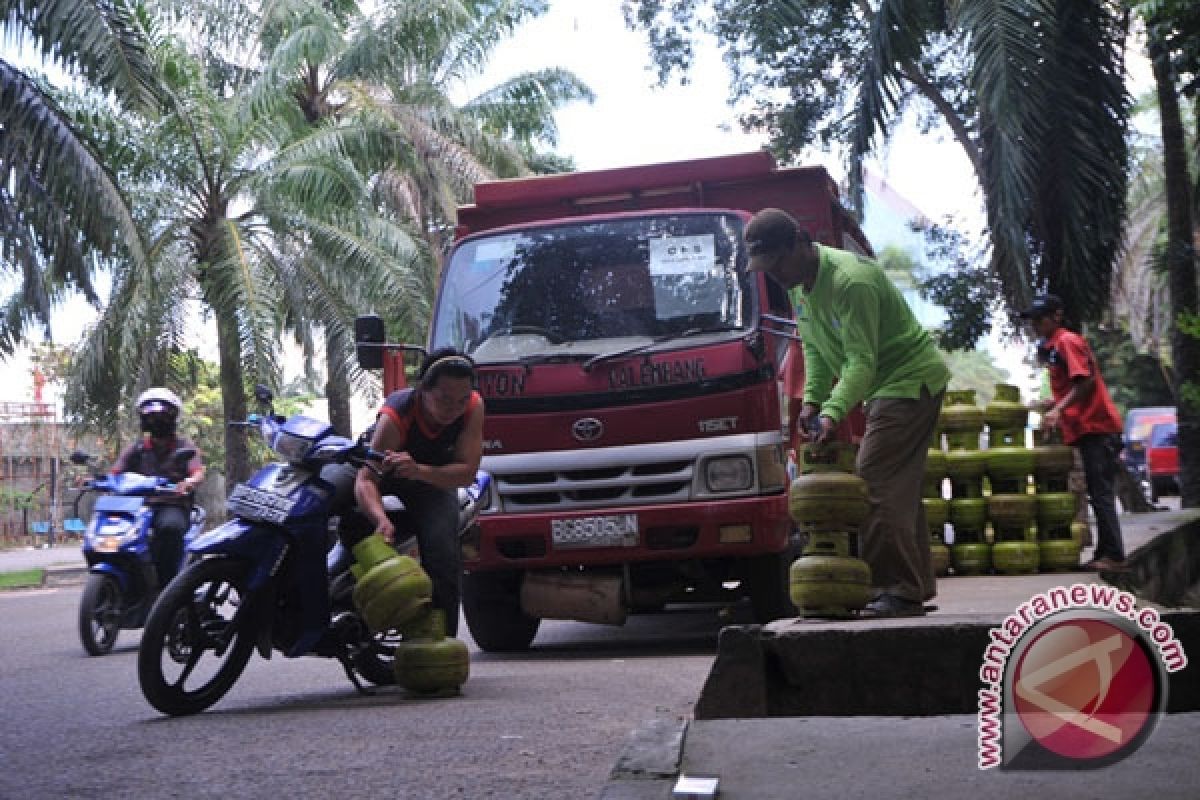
(547, 724)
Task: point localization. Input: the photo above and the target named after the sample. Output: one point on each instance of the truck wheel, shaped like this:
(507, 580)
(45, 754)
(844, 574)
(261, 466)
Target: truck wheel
(767, 583)
(492, 605)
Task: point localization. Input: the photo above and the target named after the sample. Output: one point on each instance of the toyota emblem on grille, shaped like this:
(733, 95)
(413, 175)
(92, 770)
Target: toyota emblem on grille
(588, 429)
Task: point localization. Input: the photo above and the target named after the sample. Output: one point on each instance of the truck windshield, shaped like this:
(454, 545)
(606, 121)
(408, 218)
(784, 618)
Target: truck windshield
(587, 288)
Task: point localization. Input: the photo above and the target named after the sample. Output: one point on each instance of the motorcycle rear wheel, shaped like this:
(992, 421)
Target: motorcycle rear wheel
(187, 622)
(100, 610)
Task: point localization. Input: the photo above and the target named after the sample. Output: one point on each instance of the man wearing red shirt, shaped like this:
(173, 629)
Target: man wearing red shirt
(1082, 409)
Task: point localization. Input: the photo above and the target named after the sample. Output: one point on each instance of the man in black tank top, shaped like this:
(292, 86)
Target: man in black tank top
(432, 438)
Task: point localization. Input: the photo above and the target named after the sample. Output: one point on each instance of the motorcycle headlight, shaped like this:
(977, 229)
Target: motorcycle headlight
(110, 535)
(729, 474)
(293, 448)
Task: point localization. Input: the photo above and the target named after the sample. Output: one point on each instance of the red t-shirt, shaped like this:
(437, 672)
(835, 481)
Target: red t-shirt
(1096, 414)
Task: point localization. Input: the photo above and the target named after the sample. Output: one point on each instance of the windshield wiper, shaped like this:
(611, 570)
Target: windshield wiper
(656, 341)
(553, 358)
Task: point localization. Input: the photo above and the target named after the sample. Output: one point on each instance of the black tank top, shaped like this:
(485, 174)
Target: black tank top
(425, 445)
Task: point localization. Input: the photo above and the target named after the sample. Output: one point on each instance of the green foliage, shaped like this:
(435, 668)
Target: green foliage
(1032, 91)
(1133, 379)
(961, 283)
(1189, 388)
(974, 369)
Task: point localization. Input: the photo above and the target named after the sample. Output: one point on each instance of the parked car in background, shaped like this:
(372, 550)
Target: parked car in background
(1138, 424)
(1162, 460)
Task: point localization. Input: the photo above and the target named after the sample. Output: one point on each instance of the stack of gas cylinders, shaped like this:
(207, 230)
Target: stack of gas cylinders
(394, 593)
(828, 504)
(1008, 507)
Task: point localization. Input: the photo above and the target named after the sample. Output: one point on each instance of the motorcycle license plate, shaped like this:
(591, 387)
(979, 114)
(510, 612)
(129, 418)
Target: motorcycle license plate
(259, 506)
(611, 530)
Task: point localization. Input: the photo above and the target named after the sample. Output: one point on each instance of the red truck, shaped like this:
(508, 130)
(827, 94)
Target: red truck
(1162, 459)
(632, 372)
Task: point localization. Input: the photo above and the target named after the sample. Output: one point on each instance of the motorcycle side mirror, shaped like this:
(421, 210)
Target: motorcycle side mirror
(184, 454)
(263, 395)
(369, 338)
(79, 458)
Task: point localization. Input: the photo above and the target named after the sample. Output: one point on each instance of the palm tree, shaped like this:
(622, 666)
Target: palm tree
(1032, 91)
(232, 204)
(52, 234)
(1166, 20)
(333, 62)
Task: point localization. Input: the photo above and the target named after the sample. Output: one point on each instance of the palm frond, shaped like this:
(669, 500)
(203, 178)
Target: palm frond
(523, 106)
(104, 40)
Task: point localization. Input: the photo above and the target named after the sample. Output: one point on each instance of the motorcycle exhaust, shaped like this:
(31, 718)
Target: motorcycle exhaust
(573, 595)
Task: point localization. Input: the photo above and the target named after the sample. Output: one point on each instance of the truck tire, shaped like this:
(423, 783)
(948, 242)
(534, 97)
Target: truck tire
(492, 605)
(767, 584)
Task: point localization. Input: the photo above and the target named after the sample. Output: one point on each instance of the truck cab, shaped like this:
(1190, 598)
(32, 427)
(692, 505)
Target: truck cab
(632, 373)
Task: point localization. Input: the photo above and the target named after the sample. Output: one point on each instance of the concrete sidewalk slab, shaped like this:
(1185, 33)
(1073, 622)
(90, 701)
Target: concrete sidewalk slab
(891, 757)
(797, 754)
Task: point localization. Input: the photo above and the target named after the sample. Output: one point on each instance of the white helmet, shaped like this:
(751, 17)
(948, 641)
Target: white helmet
(158, 400)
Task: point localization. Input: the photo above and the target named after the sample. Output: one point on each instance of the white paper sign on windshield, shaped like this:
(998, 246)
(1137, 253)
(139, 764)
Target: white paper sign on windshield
(682, 255)
(500, 248)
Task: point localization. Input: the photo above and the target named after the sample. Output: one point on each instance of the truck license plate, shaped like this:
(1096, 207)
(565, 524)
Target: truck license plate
(612, 530)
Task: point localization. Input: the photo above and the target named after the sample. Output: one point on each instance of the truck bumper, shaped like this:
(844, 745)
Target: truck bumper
(731, 529)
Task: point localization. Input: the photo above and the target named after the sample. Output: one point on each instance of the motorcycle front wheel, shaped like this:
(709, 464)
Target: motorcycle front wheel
(192, 648)
(100, 610)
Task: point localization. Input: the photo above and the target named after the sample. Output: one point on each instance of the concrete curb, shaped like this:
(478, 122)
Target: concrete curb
(59, 576)
(881, 668)
(649, 765)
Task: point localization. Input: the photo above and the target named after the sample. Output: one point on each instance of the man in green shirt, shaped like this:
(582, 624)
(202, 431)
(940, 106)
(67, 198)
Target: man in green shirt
(863, 344)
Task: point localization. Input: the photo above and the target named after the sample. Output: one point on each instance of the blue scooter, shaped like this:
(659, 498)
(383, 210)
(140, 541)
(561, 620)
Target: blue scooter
(123, 581)
(268, 578)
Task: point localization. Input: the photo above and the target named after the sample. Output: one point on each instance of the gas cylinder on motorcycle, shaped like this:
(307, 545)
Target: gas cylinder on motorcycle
(391, 589)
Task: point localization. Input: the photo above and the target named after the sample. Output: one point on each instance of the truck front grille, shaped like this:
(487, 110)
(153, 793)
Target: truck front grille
(663, 482)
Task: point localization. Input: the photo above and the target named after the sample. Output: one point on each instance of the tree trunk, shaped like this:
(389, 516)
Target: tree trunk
(337, 384)
(1181, 267)
(233, 399)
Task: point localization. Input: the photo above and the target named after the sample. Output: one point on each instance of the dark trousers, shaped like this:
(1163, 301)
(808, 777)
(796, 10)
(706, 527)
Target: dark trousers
(432, 515)
(894, 537)
(1098, 451)
(166, 547)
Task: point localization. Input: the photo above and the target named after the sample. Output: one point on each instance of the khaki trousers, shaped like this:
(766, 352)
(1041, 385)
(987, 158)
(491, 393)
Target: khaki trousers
(894, 539)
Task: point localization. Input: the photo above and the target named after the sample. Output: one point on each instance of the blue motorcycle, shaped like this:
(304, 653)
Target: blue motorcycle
(269, 577)
(123, 580)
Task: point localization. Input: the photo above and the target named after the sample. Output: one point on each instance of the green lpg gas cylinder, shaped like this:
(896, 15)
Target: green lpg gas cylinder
(824, 499)
(971, 558)
(436, 663)
(1059, 555)
(966, 468)
(1055, 510)
(1005, 417)
(940, 555)
(390, 589)
(1009, 468)
(1012, 511)
(935, 473)
(827, 581)
(968, 515)
(1016, 558)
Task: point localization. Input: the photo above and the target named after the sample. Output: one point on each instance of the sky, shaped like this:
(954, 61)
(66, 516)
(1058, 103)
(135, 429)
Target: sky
(632, 121)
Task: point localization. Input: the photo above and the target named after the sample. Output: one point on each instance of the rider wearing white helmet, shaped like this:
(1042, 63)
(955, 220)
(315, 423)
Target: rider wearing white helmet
(158, 411)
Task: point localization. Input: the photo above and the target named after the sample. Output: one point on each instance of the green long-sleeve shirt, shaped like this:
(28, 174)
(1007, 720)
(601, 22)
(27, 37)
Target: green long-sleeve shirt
(858, 329)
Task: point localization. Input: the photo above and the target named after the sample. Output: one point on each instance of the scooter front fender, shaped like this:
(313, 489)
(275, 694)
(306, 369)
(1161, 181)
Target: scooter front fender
(116, 573)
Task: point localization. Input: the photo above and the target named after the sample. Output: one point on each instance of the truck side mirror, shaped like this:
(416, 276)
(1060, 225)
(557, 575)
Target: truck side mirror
(369, 337)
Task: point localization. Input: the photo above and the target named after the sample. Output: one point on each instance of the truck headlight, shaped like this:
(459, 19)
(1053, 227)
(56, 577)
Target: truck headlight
(729, 474)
